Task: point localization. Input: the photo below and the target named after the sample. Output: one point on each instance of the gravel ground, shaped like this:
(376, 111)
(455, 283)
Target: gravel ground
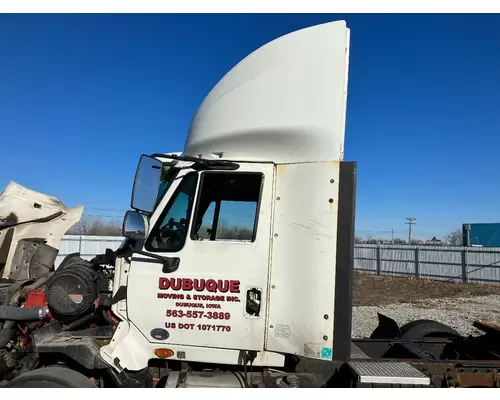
(459, 313)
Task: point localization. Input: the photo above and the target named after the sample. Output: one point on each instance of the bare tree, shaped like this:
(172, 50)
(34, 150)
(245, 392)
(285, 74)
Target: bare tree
(455, 238)
(224, 231)
(236, 233)
(96, 227)
(82, 227)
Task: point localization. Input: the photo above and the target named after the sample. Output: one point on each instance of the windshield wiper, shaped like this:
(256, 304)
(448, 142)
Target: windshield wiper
(202, 163)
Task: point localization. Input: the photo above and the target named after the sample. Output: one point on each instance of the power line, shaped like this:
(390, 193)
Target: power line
(411, 221)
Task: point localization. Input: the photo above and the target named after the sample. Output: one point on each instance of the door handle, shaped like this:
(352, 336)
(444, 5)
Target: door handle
(253, 302)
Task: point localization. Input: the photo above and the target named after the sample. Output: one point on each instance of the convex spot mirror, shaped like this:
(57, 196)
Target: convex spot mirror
(134, 226)
(146, 184)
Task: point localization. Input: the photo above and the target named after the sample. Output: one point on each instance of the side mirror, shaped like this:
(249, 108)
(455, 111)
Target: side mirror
(146, 184)
(134, 226)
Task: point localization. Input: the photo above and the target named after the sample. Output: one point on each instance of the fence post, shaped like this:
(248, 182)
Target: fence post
(80, 245)
(417, 262)
(464, 266)
(379, 261)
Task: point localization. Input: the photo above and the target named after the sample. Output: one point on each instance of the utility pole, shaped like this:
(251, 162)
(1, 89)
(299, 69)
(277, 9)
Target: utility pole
(411, 221)
(392, 235)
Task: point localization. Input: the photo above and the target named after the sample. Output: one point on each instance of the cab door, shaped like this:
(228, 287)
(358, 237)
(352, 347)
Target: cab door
(217, 225)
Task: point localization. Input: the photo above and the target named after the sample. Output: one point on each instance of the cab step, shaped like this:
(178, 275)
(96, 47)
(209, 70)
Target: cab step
(387, 373)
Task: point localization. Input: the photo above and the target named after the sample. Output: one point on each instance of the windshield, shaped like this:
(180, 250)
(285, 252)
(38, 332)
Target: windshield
(167, 177)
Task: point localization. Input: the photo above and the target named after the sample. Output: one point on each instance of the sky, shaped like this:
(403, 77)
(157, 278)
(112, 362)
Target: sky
(83, 96)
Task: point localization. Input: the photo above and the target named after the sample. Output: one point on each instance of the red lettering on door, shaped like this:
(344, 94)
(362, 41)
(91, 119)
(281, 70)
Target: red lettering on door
(188, 284)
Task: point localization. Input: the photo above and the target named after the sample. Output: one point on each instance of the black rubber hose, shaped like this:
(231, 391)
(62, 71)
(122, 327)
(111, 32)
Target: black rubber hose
(44, 278)
(11, 313)
(7, 332)
(79, 322)
(17, 294)
(8, 328)
(11, 291)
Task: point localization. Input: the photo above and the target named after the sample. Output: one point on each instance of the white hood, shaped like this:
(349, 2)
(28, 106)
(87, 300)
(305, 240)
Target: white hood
(25, 213)
(19, 205)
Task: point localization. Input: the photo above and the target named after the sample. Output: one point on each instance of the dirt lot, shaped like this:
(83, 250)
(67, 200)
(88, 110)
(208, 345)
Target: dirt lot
(407, 299)
(371, 290)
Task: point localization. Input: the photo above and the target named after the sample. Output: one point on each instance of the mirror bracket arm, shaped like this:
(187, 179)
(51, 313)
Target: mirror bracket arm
(170, 264)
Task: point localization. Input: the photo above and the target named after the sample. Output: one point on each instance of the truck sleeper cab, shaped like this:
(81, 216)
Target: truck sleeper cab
(237, 248)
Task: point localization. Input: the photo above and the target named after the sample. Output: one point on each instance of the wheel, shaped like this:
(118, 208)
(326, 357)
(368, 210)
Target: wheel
(51, 377)
(426, 328)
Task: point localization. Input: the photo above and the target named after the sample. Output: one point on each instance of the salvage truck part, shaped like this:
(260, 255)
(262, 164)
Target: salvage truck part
(285, 136)
(190, 301)
(269, 137)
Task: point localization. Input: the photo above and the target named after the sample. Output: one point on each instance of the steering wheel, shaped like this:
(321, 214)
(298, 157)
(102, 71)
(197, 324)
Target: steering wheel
(180, 226)
(172, 230)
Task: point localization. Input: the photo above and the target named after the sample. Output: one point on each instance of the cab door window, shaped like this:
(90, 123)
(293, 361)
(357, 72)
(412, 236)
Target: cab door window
(170, 231)
(227, 207)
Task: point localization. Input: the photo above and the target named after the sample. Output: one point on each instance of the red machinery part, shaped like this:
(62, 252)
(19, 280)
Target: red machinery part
(36, 299)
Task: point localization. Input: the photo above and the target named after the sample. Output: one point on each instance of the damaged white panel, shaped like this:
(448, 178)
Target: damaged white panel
(19, 204)
(302, 275)
(25, 213)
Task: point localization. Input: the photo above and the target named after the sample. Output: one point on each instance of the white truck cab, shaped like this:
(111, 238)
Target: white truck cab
(236, 238)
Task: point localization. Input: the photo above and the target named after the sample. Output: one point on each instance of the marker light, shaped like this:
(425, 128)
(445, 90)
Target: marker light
(164, 353)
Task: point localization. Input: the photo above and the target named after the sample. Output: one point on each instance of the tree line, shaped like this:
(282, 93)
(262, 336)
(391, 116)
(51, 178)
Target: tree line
(454, 238)
(96, 226)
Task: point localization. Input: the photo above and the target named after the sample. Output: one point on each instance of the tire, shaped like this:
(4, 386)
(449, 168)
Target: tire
(426, 328)
(387, 328)
(51, 377)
